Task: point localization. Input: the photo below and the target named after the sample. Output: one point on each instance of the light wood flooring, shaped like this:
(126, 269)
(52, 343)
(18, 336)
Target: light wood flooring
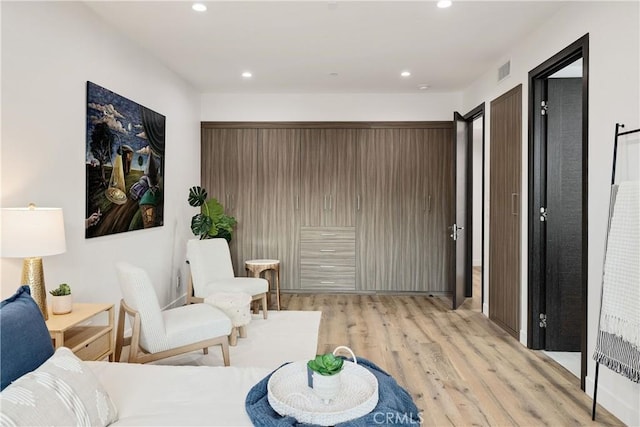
(460, 368)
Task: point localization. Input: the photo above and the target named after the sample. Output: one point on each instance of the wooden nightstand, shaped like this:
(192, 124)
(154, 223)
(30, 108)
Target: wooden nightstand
(88, 342)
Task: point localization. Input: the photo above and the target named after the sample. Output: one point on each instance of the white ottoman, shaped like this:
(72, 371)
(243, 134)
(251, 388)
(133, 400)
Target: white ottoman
(236, 305)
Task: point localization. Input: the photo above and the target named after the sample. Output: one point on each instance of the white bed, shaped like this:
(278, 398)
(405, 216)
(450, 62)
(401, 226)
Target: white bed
(178, 395)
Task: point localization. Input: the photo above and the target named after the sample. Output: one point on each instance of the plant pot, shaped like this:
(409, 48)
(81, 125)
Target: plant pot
(326, 387)
(61, 304)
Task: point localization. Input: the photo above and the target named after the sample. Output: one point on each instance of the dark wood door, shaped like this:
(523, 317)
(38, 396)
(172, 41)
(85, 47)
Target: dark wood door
(458, 232)
(563, 237)
(504, 218)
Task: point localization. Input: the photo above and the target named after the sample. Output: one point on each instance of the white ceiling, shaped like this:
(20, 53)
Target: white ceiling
(294, 46)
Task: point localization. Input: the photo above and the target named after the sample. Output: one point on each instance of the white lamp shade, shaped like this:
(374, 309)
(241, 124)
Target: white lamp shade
(32, 232)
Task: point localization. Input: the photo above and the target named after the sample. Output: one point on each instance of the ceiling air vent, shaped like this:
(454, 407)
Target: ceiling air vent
(504, 70)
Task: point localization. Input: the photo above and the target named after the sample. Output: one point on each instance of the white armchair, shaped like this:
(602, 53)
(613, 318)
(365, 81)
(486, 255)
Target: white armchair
(212, 271)
(157, 334)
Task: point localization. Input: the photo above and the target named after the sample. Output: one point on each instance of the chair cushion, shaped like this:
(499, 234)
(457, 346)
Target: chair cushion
(25, 342)
(192, 323)
(63, 391)
(248, 285)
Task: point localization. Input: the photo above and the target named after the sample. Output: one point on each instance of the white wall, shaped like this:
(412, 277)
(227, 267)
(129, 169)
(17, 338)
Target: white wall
(49, 51)
(614, 96)
(329, 107)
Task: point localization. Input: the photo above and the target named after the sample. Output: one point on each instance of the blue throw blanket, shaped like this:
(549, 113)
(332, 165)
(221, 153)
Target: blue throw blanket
(395, 406)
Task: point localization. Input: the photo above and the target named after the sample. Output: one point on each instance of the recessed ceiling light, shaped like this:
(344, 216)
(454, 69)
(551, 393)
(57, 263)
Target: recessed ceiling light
(405, 74)
(247, 74)
(333, 74)
(423, 86)
(442, 4)
(199, 7)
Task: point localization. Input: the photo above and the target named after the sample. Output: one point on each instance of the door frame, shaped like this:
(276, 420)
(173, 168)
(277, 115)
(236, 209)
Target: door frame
(537, 144)
(470, 117)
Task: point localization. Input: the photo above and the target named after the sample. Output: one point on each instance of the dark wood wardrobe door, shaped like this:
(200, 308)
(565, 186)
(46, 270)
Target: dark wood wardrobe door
(504, 216)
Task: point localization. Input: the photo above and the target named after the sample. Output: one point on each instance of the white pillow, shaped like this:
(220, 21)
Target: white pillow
(63, 391)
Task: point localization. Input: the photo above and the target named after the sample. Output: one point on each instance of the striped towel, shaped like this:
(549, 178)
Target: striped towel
(618, 345)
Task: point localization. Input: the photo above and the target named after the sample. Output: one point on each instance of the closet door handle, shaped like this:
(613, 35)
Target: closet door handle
(324, 202)
(330, 202)
(297, 203)
(358, 202)
(514, 205)
(429, 204)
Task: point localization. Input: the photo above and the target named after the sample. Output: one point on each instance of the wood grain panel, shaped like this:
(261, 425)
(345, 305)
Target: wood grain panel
(277, 208)
(330, 234)
(327, 125)
(504, 221)
(328, 177)
(228, 172)
(440, 206)
(378, 166)
(343, 253)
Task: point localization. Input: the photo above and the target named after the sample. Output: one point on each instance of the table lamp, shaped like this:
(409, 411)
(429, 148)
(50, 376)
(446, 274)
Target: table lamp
(32, 233)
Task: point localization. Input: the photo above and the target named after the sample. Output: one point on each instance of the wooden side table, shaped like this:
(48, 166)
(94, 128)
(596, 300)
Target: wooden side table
(88, 342)
(255, 267)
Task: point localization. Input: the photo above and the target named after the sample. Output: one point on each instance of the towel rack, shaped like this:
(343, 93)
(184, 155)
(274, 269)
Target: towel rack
(618, 133)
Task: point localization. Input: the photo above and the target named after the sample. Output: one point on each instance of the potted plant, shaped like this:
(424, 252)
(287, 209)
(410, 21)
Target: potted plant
(61, 300)
(211, 221)
(324, 375)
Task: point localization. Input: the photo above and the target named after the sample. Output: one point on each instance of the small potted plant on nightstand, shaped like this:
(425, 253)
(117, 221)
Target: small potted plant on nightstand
(61, 300)
(324, 376)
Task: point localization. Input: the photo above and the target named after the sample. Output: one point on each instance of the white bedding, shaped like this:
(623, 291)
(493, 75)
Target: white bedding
(178, 395)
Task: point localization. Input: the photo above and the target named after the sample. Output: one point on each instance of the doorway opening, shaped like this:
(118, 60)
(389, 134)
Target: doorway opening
(557, 224)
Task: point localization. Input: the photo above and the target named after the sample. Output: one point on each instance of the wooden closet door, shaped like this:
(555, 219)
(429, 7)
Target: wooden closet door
(440, 206)
(378, 242)
(328, 177)
(504, 220)
(228, 173)
(278, 203)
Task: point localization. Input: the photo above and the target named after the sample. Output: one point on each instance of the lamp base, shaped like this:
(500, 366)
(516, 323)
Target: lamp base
(33, 275)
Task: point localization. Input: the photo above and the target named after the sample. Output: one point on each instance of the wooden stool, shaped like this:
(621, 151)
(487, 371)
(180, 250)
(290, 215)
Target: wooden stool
(255, 267)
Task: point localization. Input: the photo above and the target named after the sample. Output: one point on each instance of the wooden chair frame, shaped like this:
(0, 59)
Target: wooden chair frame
(261, 299)
(138, 355)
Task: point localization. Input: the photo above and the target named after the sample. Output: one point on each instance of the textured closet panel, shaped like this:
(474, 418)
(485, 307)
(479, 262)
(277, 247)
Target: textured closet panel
(440, 210)
(328, 177)
(278, 202)
(378, 243)
(405, 180)
(504, 215)
(228, 172)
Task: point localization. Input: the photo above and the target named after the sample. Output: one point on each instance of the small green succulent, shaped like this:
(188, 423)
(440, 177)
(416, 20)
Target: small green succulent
(326, 364)
(62, 290)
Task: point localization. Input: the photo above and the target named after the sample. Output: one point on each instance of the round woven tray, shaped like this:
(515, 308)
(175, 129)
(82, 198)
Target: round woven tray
(289, 394)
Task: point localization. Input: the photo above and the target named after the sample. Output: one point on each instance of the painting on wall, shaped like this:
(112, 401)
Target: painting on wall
(124, 162)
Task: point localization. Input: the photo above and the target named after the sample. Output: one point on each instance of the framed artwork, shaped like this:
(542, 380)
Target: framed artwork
(125, 157)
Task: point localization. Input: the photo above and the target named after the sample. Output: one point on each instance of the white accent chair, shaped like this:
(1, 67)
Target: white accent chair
(158, 334)
(212, 271)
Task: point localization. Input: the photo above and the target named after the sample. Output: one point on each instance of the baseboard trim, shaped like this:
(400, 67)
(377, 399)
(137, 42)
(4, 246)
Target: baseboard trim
(610, 401)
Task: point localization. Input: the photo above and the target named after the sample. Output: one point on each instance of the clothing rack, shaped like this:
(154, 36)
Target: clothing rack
(618, 133)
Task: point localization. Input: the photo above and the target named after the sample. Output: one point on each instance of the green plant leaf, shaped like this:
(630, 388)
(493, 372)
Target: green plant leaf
(201, 225)
(197, 196)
